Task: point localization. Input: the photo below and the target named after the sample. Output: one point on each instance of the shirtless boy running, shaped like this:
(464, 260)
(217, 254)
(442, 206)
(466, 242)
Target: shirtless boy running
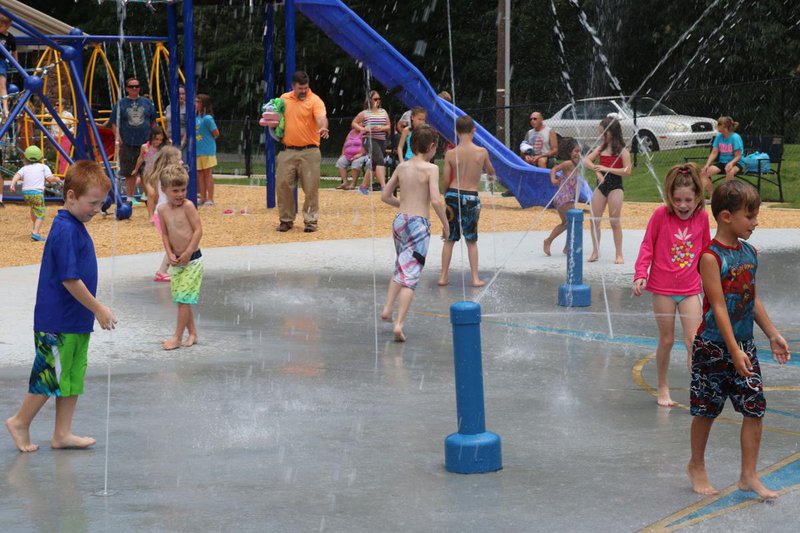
(418, 180)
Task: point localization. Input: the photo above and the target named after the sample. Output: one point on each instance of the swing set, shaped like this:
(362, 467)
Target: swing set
(70, 119)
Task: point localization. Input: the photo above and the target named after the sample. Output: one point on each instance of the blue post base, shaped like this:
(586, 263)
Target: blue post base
(577, 295)
(473, 454)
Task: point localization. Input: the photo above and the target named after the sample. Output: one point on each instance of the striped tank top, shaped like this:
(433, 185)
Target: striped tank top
(373, 120)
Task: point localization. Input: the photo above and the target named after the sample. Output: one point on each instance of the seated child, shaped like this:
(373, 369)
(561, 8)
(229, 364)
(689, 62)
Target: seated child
(34, 175)
(353, 155)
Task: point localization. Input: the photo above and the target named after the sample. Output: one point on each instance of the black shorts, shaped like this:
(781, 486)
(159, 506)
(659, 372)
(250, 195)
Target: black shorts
(721, 167)
(376, 149)
(128, 155)
(611, 182)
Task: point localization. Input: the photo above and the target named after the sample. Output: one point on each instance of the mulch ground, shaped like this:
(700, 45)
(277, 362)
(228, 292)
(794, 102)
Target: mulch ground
(343, 215)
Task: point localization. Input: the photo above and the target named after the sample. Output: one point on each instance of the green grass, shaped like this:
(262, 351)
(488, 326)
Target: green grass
(639, 187)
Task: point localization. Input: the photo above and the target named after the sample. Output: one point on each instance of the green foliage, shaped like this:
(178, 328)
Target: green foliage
(635, 36)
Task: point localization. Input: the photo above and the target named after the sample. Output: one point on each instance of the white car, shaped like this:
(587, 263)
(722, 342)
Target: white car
(660, 128)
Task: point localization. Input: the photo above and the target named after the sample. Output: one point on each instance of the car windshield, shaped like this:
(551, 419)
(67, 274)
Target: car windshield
(646, 107)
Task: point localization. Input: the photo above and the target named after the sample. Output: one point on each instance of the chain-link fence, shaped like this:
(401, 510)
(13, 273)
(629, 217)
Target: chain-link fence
(241, 145)
(672, 127)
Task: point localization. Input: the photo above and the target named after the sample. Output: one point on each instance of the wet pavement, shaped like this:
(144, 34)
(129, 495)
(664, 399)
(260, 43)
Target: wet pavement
(295, 413)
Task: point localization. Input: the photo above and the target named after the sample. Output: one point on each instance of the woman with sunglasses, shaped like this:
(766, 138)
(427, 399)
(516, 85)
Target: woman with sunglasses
(374, 125)
(132, 119)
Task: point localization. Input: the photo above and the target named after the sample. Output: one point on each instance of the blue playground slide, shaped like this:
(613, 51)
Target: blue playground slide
(530, 185)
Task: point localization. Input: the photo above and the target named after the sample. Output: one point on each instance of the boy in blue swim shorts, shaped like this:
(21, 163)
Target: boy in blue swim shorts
(462, 174)
(65, 311)
(724, 360)
(181, 233)
(418, 180)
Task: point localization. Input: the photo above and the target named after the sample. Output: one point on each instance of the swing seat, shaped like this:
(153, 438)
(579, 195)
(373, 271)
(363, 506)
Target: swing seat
(107, 140)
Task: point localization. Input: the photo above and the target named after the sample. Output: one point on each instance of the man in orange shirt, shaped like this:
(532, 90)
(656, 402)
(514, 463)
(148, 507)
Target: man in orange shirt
(305, 122)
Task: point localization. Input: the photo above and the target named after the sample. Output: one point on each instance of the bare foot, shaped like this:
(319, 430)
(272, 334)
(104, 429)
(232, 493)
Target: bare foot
(478, 283)
(72, 442)
(664, 399)
(547, 243)
(171, 343)
(386, 315)
(594, 257)
(443, 281)
(398, 334)
(699, 479)
(755, 485)
(190, 340)
(619, 260)
(22, 439)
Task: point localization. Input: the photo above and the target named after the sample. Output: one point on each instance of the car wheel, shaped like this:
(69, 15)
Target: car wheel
(648, 140)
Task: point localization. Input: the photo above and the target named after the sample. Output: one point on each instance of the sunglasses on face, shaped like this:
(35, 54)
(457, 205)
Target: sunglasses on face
(132, 86)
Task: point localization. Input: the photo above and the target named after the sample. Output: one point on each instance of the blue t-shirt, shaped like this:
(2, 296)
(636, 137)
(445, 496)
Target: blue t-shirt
(737, 269)
(204, 125)
(68, 254)
(727, 146)
(135, 119)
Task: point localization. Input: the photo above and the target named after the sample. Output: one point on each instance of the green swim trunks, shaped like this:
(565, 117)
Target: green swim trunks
(60, 363)
(185, 281)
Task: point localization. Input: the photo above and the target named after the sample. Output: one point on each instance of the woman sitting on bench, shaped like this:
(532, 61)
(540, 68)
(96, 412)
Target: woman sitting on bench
(726, 154)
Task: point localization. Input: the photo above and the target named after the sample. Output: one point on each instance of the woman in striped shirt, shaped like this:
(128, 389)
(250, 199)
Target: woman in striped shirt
(374, 125)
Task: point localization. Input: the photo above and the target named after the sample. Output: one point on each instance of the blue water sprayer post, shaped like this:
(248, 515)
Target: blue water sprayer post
(472, 450)
(575, 293)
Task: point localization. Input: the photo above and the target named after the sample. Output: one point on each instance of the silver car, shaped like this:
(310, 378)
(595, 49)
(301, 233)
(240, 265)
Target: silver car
(660, 128)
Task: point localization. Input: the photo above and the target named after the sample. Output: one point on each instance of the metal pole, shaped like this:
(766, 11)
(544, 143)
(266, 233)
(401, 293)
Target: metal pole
(248, 150)
(507, 73)
(501, 77)
(269, 94)
(290, 43)
(188, 60)
(174, 98)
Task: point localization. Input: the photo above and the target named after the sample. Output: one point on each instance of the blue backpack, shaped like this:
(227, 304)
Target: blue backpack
(753, 161)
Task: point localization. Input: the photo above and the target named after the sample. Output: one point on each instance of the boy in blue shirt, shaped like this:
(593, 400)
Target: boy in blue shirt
(65, 311)
(724, 361)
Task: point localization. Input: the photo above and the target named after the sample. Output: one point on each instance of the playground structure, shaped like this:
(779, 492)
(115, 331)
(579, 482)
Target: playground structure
(39, 113)
(530, 185)
(78, 137)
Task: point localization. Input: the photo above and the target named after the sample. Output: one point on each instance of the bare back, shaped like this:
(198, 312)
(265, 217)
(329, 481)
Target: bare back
(464, 164)
(415, 178)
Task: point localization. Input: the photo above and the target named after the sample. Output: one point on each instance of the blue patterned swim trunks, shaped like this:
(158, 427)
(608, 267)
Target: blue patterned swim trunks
(463, 213)
(714, 379)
